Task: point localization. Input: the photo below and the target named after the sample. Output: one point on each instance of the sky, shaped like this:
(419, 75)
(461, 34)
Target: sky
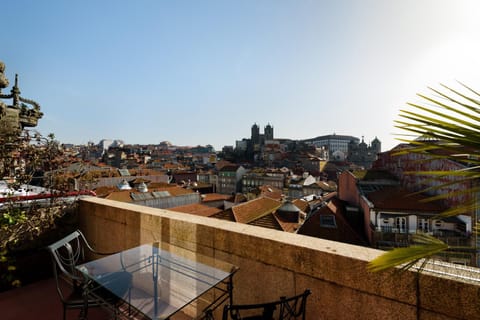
(203, 72)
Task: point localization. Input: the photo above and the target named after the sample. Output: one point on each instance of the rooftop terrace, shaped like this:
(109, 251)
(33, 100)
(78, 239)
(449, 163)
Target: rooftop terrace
(275, 263)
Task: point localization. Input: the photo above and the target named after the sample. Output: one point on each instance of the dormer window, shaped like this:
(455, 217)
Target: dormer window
(328, 221)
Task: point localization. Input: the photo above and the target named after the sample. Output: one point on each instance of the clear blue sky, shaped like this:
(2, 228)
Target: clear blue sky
(202, 72)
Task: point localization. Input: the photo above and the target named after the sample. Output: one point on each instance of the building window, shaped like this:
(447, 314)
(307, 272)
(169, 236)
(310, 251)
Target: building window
(401, 224)
(423, 225)
(328, 221)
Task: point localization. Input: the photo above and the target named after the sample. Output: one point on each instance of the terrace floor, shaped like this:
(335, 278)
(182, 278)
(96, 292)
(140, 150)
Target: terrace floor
(39, 301)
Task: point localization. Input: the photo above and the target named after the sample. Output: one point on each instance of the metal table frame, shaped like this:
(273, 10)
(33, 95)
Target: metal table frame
(146, 279)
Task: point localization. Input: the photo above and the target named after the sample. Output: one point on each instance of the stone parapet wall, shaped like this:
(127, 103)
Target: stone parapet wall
(274, 263)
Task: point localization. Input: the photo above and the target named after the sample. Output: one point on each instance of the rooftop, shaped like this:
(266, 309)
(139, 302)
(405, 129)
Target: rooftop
(399, 199)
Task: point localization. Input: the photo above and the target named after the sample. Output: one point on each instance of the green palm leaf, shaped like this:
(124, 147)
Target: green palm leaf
(450, 124)
(427, 247)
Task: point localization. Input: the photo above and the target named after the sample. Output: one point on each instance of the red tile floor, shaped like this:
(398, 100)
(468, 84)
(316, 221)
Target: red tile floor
(39, 301)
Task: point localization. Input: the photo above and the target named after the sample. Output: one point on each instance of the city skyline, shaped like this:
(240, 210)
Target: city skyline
(238, 139)
(203, 72)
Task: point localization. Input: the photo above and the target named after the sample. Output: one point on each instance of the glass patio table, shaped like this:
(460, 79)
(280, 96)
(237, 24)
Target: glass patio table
(158, 283)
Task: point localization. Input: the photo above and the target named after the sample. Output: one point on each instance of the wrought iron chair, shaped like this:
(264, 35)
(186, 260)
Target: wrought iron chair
(283, 309)
(66, 254)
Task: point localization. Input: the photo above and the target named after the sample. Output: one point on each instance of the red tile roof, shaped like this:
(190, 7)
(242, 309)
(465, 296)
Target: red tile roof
(343, 232)
(208, 197)
(154, 185)
(239, 198)
(229, 168)
(285, 225)
(270, 192)
(301, 204)
(254, 209)
(197, 209)
(222, 163)
(225, 215)
(399, 199)
(140, 180)
(268, 221)
(105, 191)
(174, 191)
(125, 195)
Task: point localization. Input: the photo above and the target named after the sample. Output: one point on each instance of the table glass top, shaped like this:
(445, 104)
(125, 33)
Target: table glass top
(156, 281)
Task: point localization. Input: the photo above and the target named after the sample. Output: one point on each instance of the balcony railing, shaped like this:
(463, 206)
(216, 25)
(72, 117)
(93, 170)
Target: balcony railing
(400, 238)
(274, 263)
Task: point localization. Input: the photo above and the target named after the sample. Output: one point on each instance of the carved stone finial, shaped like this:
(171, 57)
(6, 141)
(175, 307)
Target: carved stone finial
(15, 117)
(3, 80)
(16, 93)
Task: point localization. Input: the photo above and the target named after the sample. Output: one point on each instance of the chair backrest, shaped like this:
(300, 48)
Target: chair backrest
(283, 309)
(293, 307)
(66, 254)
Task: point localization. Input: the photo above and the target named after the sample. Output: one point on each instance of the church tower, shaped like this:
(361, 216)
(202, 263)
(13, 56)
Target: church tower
(268, 132)
(255, 134)
(376, 145)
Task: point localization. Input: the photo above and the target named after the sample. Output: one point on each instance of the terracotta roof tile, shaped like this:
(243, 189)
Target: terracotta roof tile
(268, 221)
(105, 191)
(197, 209)
(225, 215)
(301, 204)
(222, 163)
(271, 192)
(140, 180)
(215, 197)
(285, 225)
(343, 232)
(239, 198)
(399, 199)
(174, 191)
(160, 185)
(229, 168)
(254, 209)
(123, 196)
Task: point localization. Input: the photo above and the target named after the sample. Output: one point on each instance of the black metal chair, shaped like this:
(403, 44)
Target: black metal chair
(66, 254)
(283, 309)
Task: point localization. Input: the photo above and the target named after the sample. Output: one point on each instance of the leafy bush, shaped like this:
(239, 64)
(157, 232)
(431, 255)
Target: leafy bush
(22, 225)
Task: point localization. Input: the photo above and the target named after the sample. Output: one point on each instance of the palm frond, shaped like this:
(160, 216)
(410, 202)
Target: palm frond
(475, 101)
(449, 124)
(454, 110)
(407, 257)
(466, 207)
(441, 131)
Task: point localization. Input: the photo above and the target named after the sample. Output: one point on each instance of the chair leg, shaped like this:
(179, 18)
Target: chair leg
(209, 315)
(83, 313)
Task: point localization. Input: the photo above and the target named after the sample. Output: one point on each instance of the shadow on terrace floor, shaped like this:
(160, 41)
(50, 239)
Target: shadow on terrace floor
(39, 301)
